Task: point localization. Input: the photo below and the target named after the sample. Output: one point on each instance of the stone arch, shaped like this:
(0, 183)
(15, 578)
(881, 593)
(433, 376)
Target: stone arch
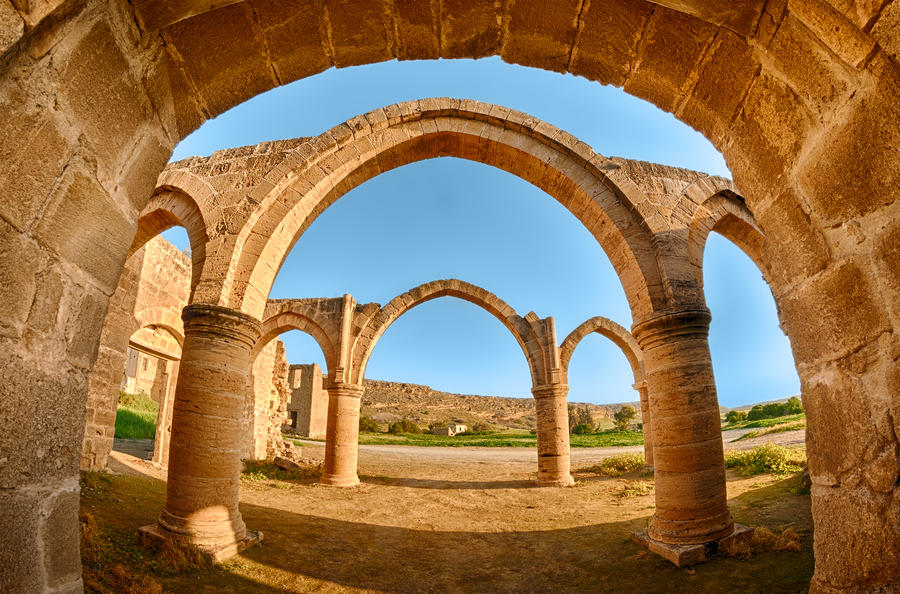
(162, 317)
(284, 321)
(727, 214)
(621, 337)
(170, 207)
(321, 170)
(522, 329)
(799, 98)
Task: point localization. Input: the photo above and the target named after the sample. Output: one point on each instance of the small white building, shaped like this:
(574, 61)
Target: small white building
(450, 430)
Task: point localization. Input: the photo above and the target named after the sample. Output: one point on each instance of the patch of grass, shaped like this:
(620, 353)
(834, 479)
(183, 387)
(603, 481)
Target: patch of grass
(609, 438)
(112, 562)
(261, 470)
(136, 416)
(769, 458)
(635, 489)
(501, 439)
(762, 423)
(617, 465)
(775, 429)
(763, 539)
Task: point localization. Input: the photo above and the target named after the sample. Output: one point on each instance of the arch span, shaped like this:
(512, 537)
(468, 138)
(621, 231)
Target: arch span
(530, 332)
(162, 317)
(170, 207)
(725, 213)
(621, 337)
(296, 318)
(321, 170)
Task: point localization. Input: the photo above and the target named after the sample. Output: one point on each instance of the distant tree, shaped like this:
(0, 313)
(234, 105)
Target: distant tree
(583, 416)
(624, 417)
(437, 425)
(756, 413)
(403, 426)
(735, 416)
(368, 425)
(793, 406)
(582, 429)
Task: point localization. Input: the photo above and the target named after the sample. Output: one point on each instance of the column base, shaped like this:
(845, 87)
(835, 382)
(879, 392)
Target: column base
(691, 554)
(156, 534)
(563, 481)
(339, 481)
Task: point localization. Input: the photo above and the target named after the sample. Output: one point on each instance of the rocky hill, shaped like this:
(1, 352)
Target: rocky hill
(390, 401)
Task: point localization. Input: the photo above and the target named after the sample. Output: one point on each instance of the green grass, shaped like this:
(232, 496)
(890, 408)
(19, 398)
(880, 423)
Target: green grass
(767, 458)
(617, 465)
(762, 423)
(136, 416)
(776, 429)
(506, 439)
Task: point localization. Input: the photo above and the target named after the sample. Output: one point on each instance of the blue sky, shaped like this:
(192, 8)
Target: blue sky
(448, 218)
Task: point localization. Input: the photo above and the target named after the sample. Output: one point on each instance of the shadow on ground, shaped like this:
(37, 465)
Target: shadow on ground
(306, 551)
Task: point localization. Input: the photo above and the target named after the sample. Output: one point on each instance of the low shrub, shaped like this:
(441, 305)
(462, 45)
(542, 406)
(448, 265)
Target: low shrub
(260, 470)
(137, 402)
(477, 429)
(403, 426)
(368, 425)
(618, 465)
(582, 429)
(769, 458)
(635, 489)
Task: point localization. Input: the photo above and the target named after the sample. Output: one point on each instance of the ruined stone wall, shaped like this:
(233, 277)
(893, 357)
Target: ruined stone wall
(266, 406)
(152, 290)
(309, 400)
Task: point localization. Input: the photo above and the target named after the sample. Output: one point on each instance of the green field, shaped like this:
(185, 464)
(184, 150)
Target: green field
(506, 439)
(761, 423)
(136, 417)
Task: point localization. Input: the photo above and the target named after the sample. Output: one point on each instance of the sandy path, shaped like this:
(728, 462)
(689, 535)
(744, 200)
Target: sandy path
(425, 460)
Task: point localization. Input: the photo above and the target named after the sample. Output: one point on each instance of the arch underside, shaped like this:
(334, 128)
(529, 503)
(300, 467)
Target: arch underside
(286, 321)
(619, 336)
(524, 334)
(570, 175)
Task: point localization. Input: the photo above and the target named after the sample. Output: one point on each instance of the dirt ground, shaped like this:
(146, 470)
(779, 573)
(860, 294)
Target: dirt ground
(462, 520)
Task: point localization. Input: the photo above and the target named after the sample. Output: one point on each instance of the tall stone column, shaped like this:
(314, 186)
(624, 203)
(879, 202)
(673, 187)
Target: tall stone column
(205, 447)
(646, 423)
(342, 435)
(553, 435)
(689, 469)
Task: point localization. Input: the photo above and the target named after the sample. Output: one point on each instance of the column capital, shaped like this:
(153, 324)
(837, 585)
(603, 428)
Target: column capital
(346, 389)
(203, 318)
(672, 325)
(550, 391)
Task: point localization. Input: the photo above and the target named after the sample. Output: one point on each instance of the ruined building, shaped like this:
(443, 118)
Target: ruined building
(801, 97)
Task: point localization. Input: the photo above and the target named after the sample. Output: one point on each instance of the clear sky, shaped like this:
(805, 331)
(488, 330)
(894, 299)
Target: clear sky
(451, 218)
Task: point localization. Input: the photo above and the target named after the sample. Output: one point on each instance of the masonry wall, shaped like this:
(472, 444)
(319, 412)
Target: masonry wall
(266, 409)
(309, 400)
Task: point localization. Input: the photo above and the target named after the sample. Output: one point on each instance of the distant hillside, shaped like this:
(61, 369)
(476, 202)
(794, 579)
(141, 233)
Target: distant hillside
(390, 401)
(747, 407)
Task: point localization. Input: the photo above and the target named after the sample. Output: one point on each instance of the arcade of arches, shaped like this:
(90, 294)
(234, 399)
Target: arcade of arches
(801, 97)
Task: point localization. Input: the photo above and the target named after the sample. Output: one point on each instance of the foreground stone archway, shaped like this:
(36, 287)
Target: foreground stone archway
(800, 98)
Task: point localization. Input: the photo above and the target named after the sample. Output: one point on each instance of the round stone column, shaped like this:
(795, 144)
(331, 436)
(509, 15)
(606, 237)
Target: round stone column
(205, 445)
(689, 468)
(553, 435)
(342, 435)
(646, 423)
